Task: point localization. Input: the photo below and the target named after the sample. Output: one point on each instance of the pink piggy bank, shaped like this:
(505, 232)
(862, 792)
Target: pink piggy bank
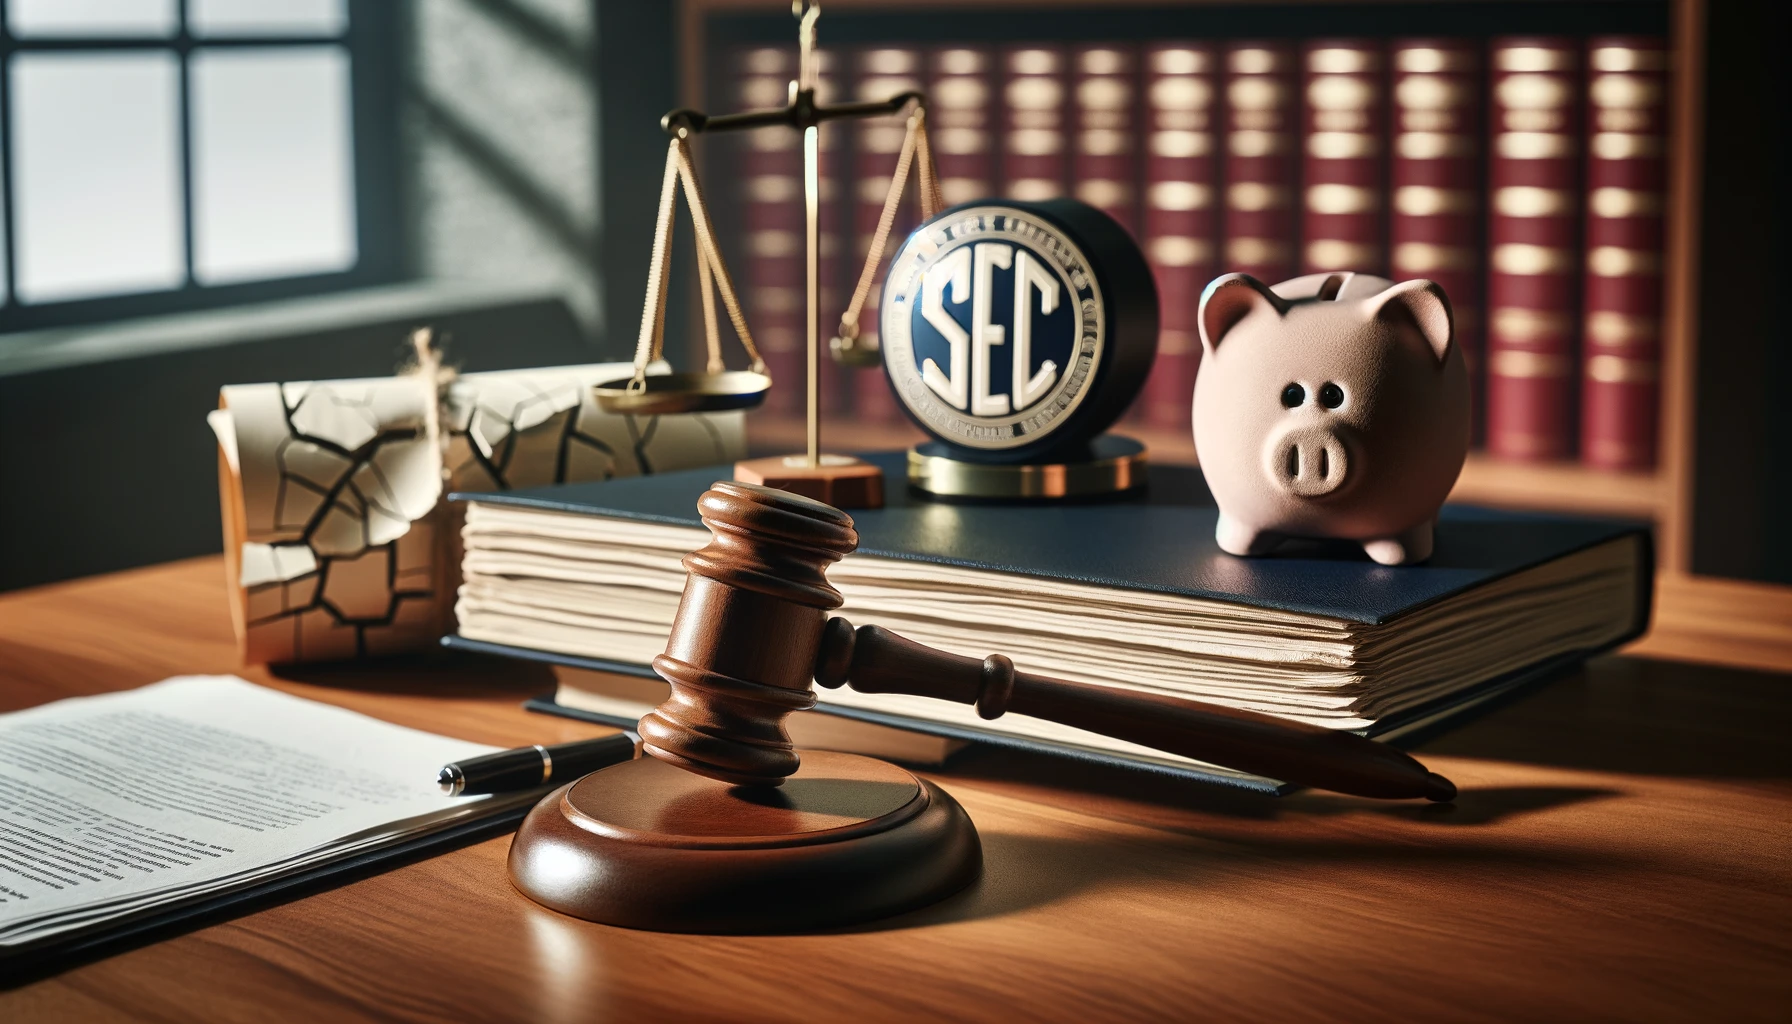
(1332, 405)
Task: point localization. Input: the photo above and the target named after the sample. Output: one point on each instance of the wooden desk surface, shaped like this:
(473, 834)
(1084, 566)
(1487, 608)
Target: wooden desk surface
(1620, 851)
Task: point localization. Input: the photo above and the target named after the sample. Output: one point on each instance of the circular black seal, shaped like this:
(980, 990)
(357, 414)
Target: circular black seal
(1012, 331)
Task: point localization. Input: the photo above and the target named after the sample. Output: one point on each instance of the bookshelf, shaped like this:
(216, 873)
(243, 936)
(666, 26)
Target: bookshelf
(1663, 495)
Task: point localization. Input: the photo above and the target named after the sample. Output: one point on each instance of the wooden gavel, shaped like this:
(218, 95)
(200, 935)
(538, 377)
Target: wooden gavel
(752, 631)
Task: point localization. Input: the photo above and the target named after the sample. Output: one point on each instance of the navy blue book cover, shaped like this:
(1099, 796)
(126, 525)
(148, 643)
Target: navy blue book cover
(1161, 540)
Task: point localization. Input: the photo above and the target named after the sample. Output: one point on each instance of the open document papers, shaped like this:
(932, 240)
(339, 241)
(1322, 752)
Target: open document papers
(118, 807)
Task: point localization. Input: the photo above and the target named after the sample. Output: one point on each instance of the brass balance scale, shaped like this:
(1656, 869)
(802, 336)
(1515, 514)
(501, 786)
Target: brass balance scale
(839, 480)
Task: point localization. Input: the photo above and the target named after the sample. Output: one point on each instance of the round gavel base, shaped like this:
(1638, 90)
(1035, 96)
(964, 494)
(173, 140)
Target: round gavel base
(645, 844)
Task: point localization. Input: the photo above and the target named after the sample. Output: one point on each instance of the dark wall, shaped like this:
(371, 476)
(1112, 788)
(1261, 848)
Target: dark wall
(637, 81)
(1742, 516)
(108, 463)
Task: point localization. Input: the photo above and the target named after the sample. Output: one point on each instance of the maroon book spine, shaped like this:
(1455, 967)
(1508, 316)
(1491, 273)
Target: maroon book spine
(1434, 224)
(883, 73)
(1626, 175)
(774, 274)
(1533, 276)
(1343, 157)
(961, 123)
(1034, 162)
(1260, 162)
(1104, 166)
(1178, 225)
(1103, 160)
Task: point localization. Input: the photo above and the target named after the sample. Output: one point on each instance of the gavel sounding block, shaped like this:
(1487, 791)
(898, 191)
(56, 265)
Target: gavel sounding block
(645, 844)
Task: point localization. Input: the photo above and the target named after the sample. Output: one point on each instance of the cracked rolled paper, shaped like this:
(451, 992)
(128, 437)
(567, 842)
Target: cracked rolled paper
(338, 541)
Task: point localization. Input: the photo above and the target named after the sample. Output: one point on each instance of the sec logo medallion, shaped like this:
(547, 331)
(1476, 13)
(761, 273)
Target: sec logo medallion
(1011, 330)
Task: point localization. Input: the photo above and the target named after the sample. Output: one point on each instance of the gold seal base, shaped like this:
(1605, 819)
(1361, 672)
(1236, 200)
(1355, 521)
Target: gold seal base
(1110, 464)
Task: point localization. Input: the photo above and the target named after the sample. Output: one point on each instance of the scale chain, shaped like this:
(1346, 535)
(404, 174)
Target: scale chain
(915, 150)
(712, 252)
(653, 310)
(712, 273)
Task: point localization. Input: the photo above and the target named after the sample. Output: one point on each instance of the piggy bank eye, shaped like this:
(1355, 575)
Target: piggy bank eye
(1293, 395)
(1331, 395)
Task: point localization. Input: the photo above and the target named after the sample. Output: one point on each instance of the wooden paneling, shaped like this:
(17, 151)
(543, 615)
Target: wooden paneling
(1618, 852)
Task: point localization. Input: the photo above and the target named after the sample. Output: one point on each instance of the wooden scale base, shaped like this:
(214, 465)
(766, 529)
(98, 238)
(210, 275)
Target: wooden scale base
(645, 844)
(839, 480)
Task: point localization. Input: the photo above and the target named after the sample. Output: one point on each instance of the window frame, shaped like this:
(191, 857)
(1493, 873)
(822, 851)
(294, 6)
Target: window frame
(370, 40)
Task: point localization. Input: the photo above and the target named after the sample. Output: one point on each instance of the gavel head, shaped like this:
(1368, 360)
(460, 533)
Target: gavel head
(743, 646)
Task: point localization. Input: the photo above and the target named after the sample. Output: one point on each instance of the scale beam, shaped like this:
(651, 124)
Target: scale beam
(801, 113)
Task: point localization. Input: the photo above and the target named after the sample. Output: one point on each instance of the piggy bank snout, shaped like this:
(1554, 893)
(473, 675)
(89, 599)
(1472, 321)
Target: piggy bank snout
(1308, 461)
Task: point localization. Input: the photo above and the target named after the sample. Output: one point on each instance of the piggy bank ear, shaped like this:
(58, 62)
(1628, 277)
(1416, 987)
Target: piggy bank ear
(1423, 305)
(1230, 299)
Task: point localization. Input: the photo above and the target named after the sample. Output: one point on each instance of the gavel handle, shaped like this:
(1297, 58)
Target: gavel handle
(872, 659)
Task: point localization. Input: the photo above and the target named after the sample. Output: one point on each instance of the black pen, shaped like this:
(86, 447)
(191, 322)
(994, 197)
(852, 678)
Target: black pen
(533, 767)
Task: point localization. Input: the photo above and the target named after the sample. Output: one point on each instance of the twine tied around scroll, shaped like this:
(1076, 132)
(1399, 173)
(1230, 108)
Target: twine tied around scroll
(425, 366)
(915, 151)
(712, 273)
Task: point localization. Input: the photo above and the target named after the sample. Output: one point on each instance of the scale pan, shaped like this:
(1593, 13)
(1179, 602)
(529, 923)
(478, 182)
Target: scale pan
(685, 392)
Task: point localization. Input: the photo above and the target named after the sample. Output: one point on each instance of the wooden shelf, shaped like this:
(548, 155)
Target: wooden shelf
(1549, 487)
(769, 435)
(781, 435)
(1560, 487)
